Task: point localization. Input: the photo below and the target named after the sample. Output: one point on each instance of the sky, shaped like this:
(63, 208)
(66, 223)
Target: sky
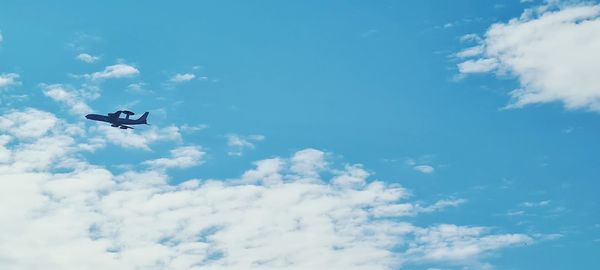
(353, 134)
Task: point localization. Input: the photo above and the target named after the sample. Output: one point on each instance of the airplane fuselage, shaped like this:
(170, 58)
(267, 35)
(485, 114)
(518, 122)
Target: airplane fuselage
(113, 120)
(116, 121)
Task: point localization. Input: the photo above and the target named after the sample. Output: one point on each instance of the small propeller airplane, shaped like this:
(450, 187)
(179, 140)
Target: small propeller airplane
(115, 120)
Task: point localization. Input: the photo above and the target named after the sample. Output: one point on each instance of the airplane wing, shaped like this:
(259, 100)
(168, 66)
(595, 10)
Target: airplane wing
(125, 127)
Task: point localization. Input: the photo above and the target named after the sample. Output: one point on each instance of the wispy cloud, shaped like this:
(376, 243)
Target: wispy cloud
(83, 41)
(426, 169)
(87, 58)
(139, 88)
(421, 165)
(181, 157)
(453, 243)
(476, 66)
(193, 128)
(9, 79)
(413, 209)
(535, 204)
(182, 77)
(238, 143)
(114, 71)
(73, 99)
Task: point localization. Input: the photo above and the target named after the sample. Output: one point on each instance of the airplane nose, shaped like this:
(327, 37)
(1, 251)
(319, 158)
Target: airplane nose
(88, 116)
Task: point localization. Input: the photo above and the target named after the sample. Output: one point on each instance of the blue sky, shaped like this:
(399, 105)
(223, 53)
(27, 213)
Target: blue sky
(418, 94)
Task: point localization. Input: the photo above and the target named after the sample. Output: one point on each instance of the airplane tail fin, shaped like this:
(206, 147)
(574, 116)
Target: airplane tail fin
(143, 118)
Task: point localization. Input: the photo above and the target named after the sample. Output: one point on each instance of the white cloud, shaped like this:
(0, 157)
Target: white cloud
(470, 52)
(114, 71)
(535, 204)
(308, 162)
(182, 77)
(138, 139)
(237, 143)
(441, 205)
(84, 216)
(410, 209)
(136, 87)
(9, 79)
(267, 172)
(477, 66)
(84, 57)
(181, 157)
(1, 37)
(470, 38)
(41, 139)
(552, 50)
(426, 169)
(29, 123)
(515, 213)
(193, 128)
(451, 243)
(75, 100)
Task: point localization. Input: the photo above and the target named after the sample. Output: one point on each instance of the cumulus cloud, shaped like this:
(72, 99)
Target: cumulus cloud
(551, 49)
(267, 171)
(9, 79)
(182, 77)
(60, 211)
(238, 143)
(308, 162)
(181, 157)
(29, 123)
(41, 138)
(135, 139)
(114, 71)
(84, 57)
(73, 99)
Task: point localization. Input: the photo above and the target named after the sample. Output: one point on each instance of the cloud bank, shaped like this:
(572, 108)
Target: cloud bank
(60, 211)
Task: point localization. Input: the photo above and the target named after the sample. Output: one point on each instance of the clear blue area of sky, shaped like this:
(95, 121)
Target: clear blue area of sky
(370, 81)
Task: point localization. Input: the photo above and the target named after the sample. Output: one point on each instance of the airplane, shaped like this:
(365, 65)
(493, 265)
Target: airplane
(116, 121)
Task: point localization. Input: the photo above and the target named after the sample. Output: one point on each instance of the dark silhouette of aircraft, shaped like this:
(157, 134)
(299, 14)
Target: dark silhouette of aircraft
(115, 120)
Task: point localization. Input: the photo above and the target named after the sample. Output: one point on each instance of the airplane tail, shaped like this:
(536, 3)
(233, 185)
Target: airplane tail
(143, 118)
